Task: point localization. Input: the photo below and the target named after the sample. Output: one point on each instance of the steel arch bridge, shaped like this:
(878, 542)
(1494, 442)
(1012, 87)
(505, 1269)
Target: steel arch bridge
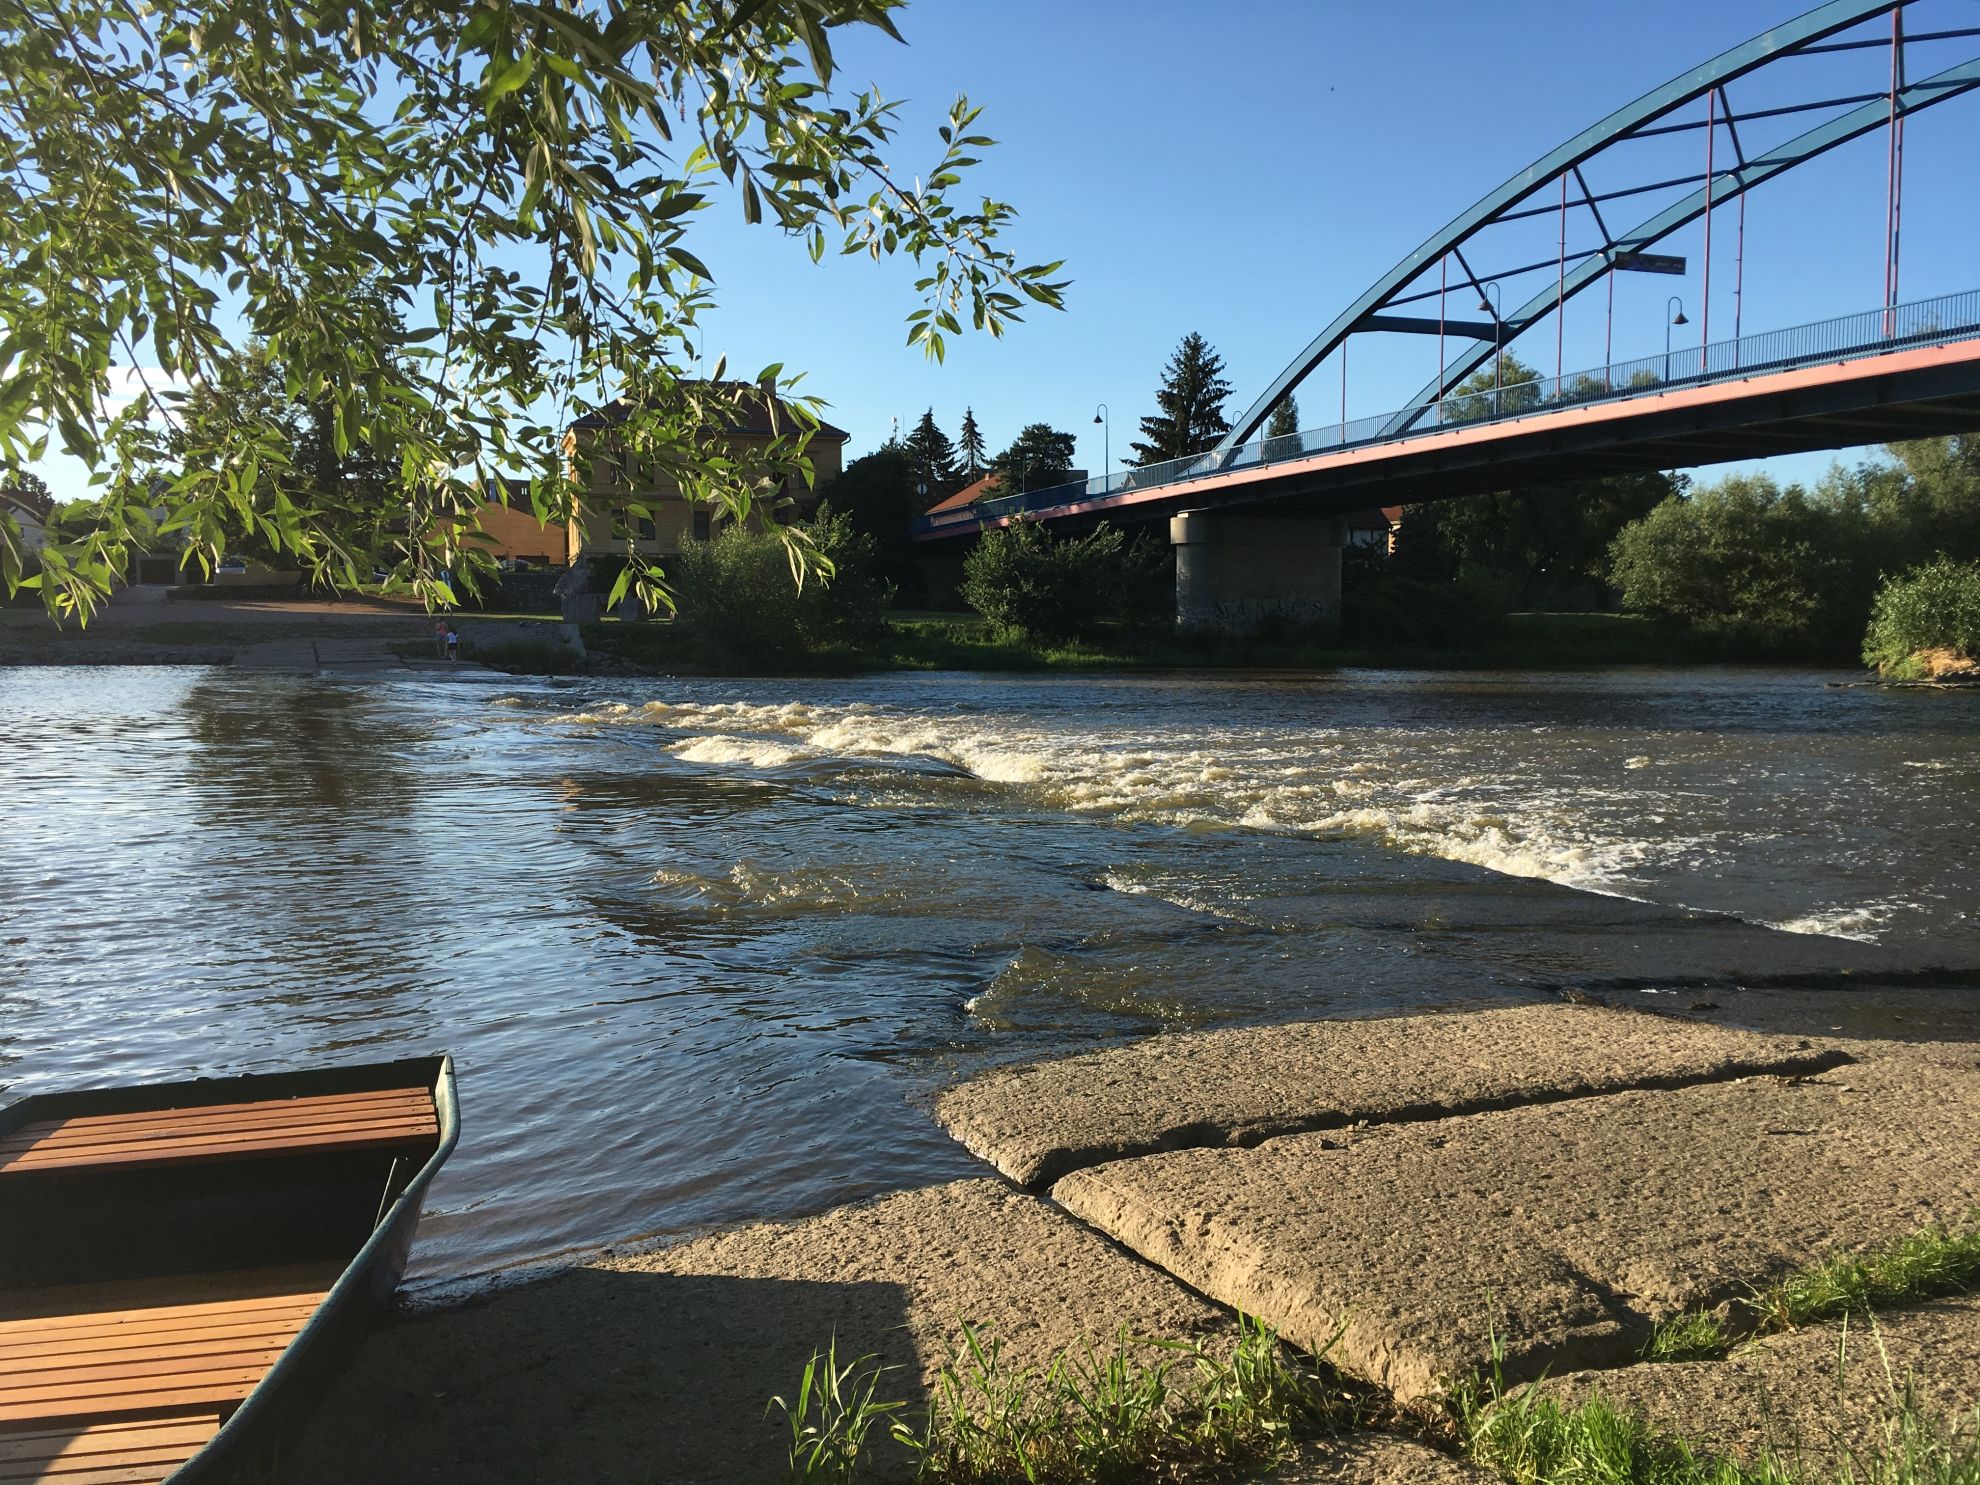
(1402, 299)
(1611, 195)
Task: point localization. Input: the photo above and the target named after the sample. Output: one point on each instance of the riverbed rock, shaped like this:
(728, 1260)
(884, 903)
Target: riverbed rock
(1565, 1230)
(659, 1365)
(1823, 1392)
(1038, 1122)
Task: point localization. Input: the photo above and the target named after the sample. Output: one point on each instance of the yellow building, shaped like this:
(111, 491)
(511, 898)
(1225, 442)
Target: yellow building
(605, 486)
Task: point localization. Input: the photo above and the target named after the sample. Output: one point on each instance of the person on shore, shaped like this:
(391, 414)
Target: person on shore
(453, 644)
(439, 639)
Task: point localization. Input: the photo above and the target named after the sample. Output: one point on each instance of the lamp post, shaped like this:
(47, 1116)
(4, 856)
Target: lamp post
(1491, 306)
(1673, 303)
(1100, 415)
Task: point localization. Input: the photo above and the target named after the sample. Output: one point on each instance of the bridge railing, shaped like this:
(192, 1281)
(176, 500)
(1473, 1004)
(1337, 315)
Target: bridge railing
(1847, 337)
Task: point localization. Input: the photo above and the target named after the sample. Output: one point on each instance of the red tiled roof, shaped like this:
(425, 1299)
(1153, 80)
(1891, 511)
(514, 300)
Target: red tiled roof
(756, 415)
(983, 489)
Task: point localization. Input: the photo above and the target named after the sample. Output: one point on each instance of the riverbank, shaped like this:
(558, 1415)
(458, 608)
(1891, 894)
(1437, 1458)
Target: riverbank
(219, 632)
(1416, 1204)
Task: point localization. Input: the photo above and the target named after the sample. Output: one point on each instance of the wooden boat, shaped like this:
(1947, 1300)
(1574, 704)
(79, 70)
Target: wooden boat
(182, 1265)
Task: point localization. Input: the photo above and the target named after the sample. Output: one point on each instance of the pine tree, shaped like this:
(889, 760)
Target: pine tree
(1038, 458)
(969, 448)
(1191, 399)
(931, 456)
(1282, 438)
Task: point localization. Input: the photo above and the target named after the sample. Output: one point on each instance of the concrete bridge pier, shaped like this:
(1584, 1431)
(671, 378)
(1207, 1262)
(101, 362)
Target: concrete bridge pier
(1235, 572)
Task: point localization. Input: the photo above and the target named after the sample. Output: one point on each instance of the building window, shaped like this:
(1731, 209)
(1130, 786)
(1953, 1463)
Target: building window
(703, 525)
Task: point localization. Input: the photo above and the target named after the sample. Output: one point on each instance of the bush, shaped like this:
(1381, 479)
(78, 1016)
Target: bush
(1926, 622)
(1383, 609)
(1751, 566)
(737, 598)
(1027, 581)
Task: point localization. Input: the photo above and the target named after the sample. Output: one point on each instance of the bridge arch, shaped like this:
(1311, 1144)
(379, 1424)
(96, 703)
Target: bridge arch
(1848, 117)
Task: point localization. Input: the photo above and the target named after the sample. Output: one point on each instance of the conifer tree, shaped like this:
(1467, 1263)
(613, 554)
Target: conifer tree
(1038, 458)
(931, 456)
(1282, 439)
(1191, 399)
(969, 448)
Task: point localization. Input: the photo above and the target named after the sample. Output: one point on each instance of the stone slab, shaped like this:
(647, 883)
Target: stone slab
(1566, 1228)
(1238, 1087)
(1378, 1459)
(1825, 1392)
(658, 1365)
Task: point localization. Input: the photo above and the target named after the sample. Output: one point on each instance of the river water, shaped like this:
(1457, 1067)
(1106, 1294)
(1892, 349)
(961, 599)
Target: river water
(702, 948)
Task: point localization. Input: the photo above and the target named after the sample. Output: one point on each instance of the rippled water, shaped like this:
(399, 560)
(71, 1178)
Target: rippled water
(698, 946)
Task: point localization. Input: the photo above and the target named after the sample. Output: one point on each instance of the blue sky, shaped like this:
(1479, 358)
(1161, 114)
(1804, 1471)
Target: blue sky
(1245, 170)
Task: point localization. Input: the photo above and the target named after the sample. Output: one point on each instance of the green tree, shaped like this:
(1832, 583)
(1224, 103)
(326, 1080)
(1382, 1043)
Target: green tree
(1190, 400)
(969, 448)
(876, 496)
(735, 600)
(1550, 541)
(1752, 564)
(523, 178)
(1282, 440)
(1926, 623)
(1038, 458)
(1028, 581)
(1512, 388)
(1922, 497)
(932, 458)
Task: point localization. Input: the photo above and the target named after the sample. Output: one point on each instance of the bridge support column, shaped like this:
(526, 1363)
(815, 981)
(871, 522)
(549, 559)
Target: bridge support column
(1235, 572)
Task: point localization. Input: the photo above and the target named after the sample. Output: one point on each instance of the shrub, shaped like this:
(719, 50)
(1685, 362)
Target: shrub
(1749, 564)
(739, 600)
(1926, 621)
(1027, 581)
(1383, 609)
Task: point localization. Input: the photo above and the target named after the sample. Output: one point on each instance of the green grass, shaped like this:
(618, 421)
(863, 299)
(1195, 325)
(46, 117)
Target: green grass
(1528, 1438)
(925, 640)
(1932, 1262)
(1139, 1410)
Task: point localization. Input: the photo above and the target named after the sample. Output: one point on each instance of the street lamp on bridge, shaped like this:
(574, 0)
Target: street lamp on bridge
(1491, 306)
(1677, 319)
(1100, 416)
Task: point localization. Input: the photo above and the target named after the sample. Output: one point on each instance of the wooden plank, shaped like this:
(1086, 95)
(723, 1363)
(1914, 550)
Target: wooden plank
(125, 1452)
(163, 1317)
(112, 1440)
(45, 1350)
(215, 1389)
(96, 1127)
(140, 1152)
(277, 1109)
(112, 1299)
(383, 1137)
(139, 1371)
(415, 1117)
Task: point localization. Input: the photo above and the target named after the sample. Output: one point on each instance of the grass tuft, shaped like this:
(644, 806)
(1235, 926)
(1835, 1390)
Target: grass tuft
(1690, 1337)
(1926, 1264)
(1137, 1410)
(1930, 1263)
(834, 1412)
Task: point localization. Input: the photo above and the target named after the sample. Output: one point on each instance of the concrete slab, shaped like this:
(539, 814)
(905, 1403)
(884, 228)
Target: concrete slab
(1826, 1392)
(1378, 1459)
(1237, 1087)
(658, 1365)
(1566, 1228)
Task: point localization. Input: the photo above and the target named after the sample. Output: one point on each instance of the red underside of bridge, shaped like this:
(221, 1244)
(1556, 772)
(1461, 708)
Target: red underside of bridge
(1914, 393)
